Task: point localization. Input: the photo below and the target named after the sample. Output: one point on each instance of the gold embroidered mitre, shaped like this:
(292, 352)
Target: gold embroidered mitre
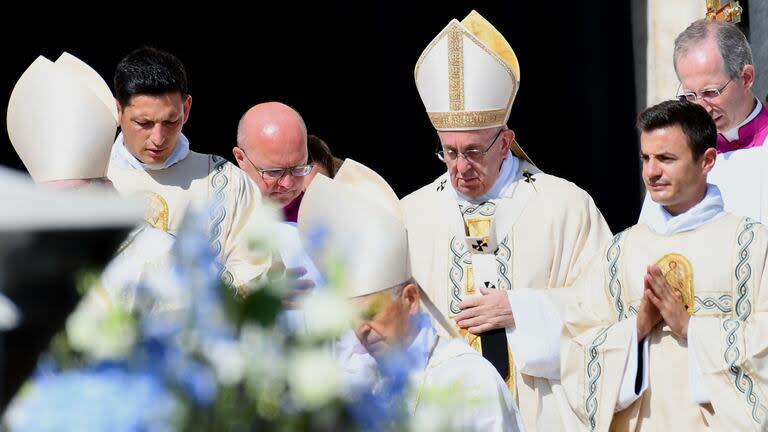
(468, 77)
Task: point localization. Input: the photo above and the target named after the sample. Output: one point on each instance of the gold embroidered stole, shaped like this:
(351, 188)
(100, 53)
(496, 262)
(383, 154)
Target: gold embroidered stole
(482, 270)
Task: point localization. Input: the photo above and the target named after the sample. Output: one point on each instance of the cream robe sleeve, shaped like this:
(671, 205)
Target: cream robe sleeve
(595, 345)
(535, 343)
(583, 236)
(732, 350)
(232, 211)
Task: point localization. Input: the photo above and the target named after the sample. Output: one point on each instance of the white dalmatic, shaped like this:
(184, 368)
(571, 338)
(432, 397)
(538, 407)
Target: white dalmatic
(713, 380)
(197, 180)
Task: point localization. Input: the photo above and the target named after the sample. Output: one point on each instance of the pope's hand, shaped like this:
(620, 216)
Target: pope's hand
(487, 312)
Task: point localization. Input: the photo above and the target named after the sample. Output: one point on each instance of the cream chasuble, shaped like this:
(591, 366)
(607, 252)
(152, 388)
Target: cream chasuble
(200, 180)
(541, 232)
(456, 374)
(719, 268)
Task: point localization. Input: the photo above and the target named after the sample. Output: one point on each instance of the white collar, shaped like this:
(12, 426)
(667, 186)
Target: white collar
(123, 158)
(733, 134)
(708, 209)
(507, 174)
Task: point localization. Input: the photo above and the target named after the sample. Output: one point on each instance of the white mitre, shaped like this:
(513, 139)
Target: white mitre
(62, 120)
(358, 218)
(468, 77)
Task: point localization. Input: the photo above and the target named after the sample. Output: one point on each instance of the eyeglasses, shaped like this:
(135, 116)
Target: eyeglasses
(472, 155)
(275, 174)
(706, 94)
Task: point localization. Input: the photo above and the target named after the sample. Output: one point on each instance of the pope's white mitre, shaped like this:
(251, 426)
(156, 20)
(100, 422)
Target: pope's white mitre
(359, 218)
(62, 120)
(468, 76)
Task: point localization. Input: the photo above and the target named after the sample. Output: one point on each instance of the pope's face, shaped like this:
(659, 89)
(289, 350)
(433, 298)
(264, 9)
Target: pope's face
(475, 175)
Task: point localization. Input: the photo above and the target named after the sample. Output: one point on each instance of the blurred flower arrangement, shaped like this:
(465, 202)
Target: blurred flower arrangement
(220, 362)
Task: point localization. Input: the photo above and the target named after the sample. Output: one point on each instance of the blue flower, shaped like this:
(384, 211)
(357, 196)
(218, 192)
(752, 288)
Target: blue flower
(102, 399)
(198, 381)
(374, 412)
(161, 329)
(384, 407)
(194, 378)
(316, 238)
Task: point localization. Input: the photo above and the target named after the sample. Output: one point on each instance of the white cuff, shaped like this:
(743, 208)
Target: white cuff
(699, 393)
(627, 394)
(535, 338)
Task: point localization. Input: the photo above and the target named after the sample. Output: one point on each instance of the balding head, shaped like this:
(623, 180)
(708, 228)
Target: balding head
(716, 56)
(271, 126)
(272, 135)
(726, 39)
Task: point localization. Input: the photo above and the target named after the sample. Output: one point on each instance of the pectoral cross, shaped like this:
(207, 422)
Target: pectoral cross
(480, 245)
(528, 177)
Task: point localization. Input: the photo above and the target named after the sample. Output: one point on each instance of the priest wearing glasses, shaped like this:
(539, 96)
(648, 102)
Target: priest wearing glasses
(493, 225)
(272, 150)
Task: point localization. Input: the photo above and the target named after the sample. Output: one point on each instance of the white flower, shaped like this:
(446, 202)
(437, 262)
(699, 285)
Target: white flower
(264, 358)
(259, 232)
(148, 250)
(164, 290)
(101, 332)
(327, 314)
(227, 360)
(315, 378)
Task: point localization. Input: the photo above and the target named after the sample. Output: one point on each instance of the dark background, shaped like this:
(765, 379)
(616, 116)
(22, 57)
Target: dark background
(348, 69)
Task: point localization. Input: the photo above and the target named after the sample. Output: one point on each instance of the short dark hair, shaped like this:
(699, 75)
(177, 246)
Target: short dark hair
(149, 71)
(693, 119)
(320, 153)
